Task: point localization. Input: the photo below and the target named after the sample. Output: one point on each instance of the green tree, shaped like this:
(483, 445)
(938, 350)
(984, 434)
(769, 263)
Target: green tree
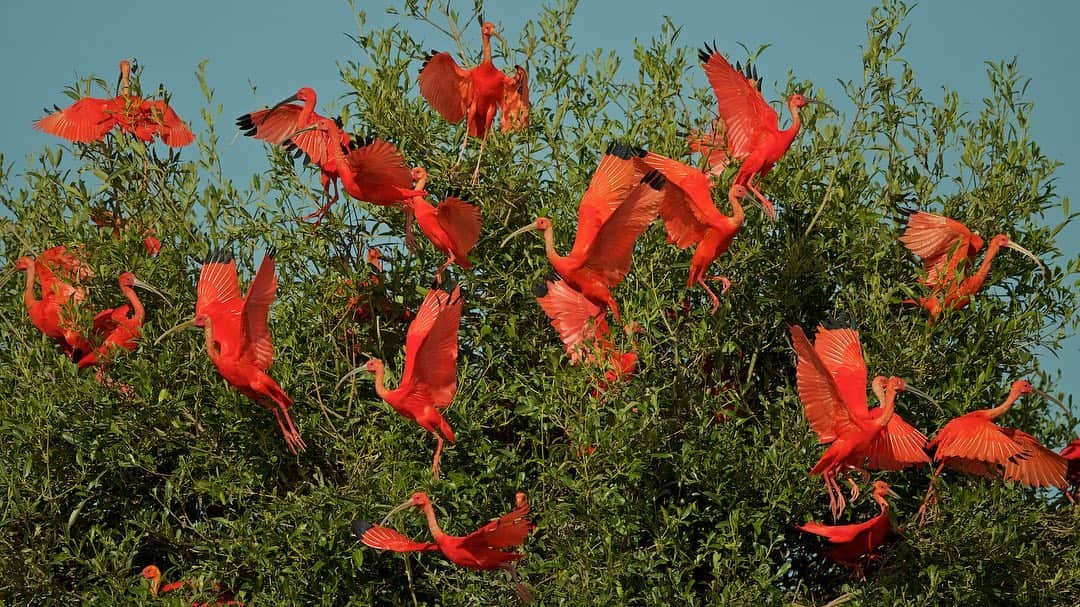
(677, 504)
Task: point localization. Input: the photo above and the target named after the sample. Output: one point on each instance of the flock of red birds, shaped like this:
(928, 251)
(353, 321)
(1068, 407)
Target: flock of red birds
(630, 188)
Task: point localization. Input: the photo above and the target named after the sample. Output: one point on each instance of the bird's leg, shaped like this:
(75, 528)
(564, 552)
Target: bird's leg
(438, 456)
(770, 210)
(712, 296)
(442, 268)
(476, 173)
(410, 237)
(931, 495)
(464, 145)
(854, 488)
(523, 592)
(323, 210)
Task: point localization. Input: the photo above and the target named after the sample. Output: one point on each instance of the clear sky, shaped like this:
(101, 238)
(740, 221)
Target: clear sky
(280, 46)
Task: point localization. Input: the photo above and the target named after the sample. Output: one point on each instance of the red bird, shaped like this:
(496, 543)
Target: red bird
(52, 314)
(453, 227)
(238, 336)
(752, 127)
(482, 549)
(476, 94)
(948, 248)
(89, 119)
(1071, 453)
(371, 171)
(153, 574)
(691, 218)
(974, 444)
(712, 147)
(854, 545)
(119, 330)
(580, 323)
(617, 208)
(430, 378)
(831, 378)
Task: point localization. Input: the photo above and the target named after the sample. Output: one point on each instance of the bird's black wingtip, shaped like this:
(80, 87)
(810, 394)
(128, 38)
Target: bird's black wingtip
(221, 255)
(654, 180)
(540, 288)
(624, 151)
(359, 528)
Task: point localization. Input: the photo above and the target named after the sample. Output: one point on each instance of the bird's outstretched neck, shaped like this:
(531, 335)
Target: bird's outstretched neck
(1010, 400)
(486, 40)
(976, 280)
(433, 524)
(549, 248)
(380, 387)
(138, 312)
(28, 291)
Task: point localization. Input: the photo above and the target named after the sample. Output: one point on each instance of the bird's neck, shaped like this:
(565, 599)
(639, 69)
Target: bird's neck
(1000, 410)
(211, 345)
(139, 314)
(380, 387)
(305, 112)
(433, 524)
(884, 505)
(888, 406)
(549, 248)
(155, 583)
(28, 292)
(487, 48)
(737, 215)
(976, 280)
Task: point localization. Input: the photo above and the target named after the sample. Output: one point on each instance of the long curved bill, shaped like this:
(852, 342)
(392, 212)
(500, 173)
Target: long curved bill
(517, 232)
(922, 395)
(277, 105)
(396, 509)
(312, 127)
(355, 371)
(6, 276)
(1056, 401)
(187, 323)
(1026, 253)
(152, 289)
(892, 493)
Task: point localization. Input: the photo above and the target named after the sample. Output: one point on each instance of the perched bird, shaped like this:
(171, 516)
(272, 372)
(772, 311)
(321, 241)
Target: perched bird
(238, 335)
(618, 206)
(153, 574)
(691, 218)
(854, 545)
(482, 549)
(752, 127)
(429, 381)
(89, 118)
(52, 314)
(974, 444)
(831, 379)
(948, 248)
(1071, 453)
(476, 94)
(118, 330)
(712, 146)
(453, 227)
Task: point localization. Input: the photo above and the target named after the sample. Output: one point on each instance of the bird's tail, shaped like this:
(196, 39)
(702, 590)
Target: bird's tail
(444, 429)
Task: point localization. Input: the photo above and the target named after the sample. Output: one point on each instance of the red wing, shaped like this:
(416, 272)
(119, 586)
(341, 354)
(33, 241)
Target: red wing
(841, 352)
(219, 286)
(279, 126)
(610, 252)
(446, 86)
(975, 438)
(1042, 468)
(171, 128)
(461, 221)
(578, 321)
(507, 531)
(379, 162)
(713, 146)
(106, 321)
(1072, 450)
(842, 534)
(431, 346)
(67, 263)
(86, 120)
(515, 101)
(384, 538)
(616, 175)
(941, 243)
(822, 401)
(896, 447)
(747, 118)
(257, 343)
(686, 214)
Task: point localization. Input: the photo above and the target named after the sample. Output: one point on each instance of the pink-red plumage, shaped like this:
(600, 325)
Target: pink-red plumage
(453, 227)
(853, 545)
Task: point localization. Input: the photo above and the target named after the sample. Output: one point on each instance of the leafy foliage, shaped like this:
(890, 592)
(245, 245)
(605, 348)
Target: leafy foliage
(698, 476)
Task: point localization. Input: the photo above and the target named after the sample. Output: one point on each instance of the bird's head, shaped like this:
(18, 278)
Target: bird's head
(373, 366)
(797, 100)
(374, 258)
(152, 573)
(23, 263)
(542, 224)
(1022, 386)
(128, 280)
(738, 192)
(416, 500)
(1002, 240)
(305, 94)
(881, 490)
(201, 320)
(419, 177)
(487, 28)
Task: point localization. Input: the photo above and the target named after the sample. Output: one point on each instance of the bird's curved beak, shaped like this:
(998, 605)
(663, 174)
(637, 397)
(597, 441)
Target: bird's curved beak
(1056, 401)
(529, 228)
(1026, 253)
(892, 493)
(822, 103)
(279, 104)
(396, 509)
(152, 289)
(922, 395)
(312, 127)
(501, 39)
(355, 371)
(187, 323)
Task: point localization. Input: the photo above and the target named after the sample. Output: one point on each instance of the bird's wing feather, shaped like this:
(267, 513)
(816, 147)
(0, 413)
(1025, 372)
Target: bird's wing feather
(611, 183)
(446, 86)
(1042, 468)
(976, 438)
(933, 237)
(747, 118)
(823, 403)
(384, 538)
(507, 531)
(515, 101)
(257, 343)
(841, 352)
(842, 534)
(431, 347)
(379, 162)
(86, 120)
(218, 286)
(579, 322)
(896, 447)
(172, 130)
(610, 252)
(461, 221)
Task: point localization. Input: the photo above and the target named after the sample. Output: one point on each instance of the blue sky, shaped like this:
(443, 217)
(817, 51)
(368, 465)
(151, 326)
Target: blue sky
(278, 47)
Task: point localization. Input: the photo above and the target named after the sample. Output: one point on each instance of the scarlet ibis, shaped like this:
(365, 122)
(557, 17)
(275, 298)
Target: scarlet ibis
(153, 574)
(619, 206)
(89, 118)
(579, 322)
(238, 335)
(482, 549)
(751, 126)
(476, 93)
(831, 378)
(691, 218)
(948, 248)
(151, 243)
(51, 313)
(712, 146)
(854, 545)
(453, 227)
(974, 444)
(1071, 453)
(119, 330)
(429, 381)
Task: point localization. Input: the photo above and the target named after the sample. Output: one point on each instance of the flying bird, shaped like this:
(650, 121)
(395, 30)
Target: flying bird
(476, 94)
(854, 545)
(483, 549)
(153, 575)
(90, 118)
(453, 227)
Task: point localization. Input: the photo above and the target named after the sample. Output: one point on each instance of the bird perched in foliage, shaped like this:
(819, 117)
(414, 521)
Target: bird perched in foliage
(119, 328)
(90, 118)
(153, 575)
(53, 312)
(476, 94)
(482, 549)
(453, 227)
(854, 545)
